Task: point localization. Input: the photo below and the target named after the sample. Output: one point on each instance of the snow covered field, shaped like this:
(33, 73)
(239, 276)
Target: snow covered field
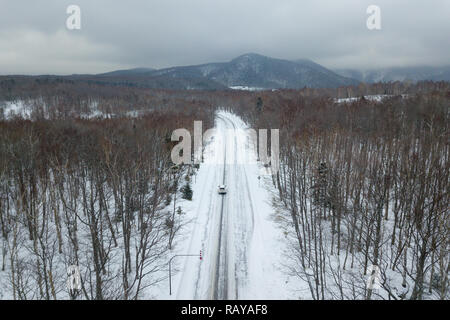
(375, 98)
(245, 88)
(15, 109)
(28, 109)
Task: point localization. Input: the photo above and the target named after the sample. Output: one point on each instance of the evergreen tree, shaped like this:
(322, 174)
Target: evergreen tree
(259, 104)
(187, 191)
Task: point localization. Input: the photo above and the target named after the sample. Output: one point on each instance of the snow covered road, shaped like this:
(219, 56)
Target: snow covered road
(235, 232)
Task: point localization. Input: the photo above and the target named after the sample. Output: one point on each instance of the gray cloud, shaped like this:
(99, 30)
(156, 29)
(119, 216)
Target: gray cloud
(34, 39)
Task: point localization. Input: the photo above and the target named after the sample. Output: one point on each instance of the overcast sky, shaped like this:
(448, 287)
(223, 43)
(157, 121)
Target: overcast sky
(137, 33)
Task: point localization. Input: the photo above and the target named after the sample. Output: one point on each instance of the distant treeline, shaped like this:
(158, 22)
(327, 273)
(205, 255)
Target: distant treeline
(32, 87)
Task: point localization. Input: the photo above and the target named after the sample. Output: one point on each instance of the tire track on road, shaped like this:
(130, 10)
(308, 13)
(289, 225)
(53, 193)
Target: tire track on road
(220, 287)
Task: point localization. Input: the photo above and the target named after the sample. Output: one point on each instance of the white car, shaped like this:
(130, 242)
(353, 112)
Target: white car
(222, 189)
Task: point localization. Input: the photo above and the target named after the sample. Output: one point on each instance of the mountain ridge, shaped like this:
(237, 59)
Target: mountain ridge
(255, 70)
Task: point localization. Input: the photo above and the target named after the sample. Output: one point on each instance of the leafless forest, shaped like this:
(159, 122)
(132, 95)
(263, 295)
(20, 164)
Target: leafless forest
(361, 184)
(365, 184)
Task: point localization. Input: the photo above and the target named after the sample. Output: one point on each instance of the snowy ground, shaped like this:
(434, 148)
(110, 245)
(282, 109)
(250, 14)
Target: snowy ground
(240, 242)
(245, 88)
(376, 98)
(25, 108)
(15, 109)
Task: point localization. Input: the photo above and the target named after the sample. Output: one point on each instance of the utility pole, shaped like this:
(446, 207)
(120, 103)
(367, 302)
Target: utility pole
(170, 266)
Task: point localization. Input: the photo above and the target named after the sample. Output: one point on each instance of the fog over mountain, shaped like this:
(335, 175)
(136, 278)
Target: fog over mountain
(413, 74)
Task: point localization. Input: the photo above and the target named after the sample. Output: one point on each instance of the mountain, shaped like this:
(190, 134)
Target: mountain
(127, 72)
(149, 78)
(254, 70)
(413, 74)
(150, 81)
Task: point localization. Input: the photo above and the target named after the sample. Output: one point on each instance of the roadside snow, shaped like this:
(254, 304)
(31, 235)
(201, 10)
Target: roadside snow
(251, 249)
